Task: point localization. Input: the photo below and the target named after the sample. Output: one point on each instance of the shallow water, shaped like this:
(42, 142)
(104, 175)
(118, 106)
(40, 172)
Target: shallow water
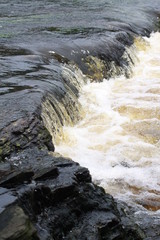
(119, 136)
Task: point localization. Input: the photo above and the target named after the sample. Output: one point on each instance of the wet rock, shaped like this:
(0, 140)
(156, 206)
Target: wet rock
(102, 226)
(15, 225)
(23, 133)
(60, 200)
(6, 198)
(46, 173)
(68, 205)
(16, 178)
(63, 192)
(148, 222)
(83, 175)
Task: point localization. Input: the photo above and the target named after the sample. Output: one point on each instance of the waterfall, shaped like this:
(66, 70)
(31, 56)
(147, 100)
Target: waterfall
(117, 138)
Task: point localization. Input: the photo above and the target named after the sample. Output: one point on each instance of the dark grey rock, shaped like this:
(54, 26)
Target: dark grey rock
(69, 205)
(46, 173)
(83, 175)
(61, 201)
(16, 178)
(6, 198)
(15, 225)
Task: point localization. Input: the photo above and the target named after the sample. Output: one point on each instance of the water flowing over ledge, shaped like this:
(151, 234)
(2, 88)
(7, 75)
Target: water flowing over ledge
(47, 59)
(118, 137)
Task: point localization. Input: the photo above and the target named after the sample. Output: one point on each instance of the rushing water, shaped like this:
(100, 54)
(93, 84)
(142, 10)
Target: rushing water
(119, 136)
(44, 42)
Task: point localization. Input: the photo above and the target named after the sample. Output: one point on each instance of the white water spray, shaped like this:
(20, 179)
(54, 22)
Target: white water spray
(118, 139)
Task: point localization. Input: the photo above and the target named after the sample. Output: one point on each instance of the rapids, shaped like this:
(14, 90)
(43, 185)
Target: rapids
(118, 138)
(82, 78)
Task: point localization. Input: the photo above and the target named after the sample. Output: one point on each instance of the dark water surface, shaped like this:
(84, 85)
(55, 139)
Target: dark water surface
(54, 25)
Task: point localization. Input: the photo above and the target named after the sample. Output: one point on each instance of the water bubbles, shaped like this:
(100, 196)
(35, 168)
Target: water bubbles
(119, 136)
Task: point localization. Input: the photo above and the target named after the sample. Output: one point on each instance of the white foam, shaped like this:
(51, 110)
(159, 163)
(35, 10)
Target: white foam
(119, 137)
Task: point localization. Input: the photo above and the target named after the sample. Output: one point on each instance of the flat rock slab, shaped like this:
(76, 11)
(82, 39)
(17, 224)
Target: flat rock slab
(6, 198)
(46, 173)
(16, 178)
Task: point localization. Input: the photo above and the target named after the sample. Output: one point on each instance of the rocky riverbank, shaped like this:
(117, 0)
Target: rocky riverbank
(45, 196)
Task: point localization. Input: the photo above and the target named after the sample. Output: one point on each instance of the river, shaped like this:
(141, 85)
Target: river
(101, 68)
